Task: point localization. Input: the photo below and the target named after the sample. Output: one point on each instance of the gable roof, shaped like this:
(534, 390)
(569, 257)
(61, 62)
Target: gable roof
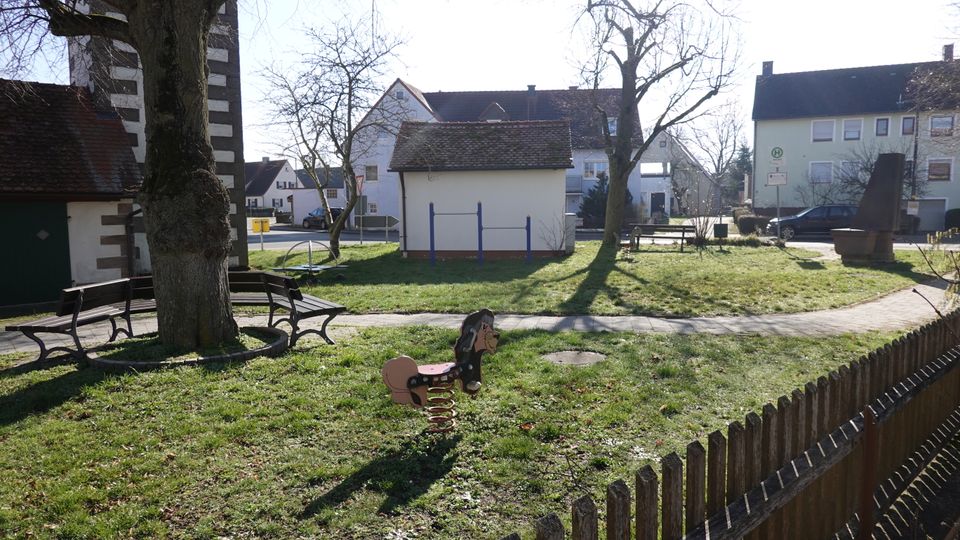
(463, 146)
(574, 105)
(336, 178)
(834, 92)
(54, 144)
(260, 175)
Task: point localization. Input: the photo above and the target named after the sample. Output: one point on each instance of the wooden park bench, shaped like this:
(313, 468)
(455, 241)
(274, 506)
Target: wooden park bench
(117, 300)
(80, 306)
(683, 233)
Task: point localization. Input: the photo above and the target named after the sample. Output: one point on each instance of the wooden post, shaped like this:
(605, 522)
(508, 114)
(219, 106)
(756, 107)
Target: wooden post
(584, 519)
(769, 460)
(696, 485)
(647, 504)
(754, 449)
(716, 472)
(824, 503)
(672, 497)
(869, 475)
(736, 456)
(549, 528)
(618, 511)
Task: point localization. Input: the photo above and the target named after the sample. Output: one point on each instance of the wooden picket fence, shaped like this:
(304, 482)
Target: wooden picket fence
(824, 462)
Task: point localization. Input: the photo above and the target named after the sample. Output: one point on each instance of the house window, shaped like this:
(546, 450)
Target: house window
(941, 125)
(277, 203)
(593, 169)
(331, 193)
(822, 130)
(908, 169)
(852, 129)
(850, 170)
(371, 173)
(883, 127)
(279, 185)
(663, 143)
(372, 207)
(252, 203)
(400, 95)
(821, 172)
(940, 169)
(612, 125)
(908, 125)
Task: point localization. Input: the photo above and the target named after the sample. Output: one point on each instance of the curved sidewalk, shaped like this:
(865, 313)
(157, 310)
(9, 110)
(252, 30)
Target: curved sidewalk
(899, 310)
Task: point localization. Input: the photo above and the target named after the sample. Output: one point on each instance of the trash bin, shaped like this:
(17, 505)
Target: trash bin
(720, 230)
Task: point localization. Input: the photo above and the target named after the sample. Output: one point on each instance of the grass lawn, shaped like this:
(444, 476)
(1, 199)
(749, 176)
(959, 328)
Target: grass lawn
(658, 280)
(309, 445)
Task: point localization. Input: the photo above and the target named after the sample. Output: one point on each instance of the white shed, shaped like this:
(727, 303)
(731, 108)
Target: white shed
(483, 180)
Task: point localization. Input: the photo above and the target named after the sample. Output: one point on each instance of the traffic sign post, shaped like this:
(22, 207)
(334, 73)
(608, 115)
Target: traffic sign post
(777, 178)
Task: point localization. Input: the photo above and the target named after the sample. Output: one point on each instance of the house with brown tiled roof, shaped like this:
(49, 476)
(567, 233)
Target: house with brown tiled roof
(491, 187)
(67, 180)
(649, 183)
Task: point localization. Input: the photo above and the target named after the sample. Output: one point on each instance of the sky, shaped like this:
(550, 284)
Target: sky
(509, 44)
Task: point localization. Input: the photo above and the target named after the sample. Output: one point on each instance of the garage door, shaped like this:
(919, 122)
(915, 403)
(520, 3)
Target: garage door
(38, 252)
(931, 214)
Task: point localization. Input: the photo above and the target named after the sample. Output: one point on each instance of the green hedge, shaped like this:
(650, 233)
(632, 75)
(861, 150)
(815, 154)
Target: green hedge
(752, 224)
(951, 219)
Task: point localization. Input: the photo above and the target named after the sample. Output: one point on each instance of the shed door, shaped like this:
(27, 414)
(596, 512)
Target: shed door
(931, 214)
(39, 252)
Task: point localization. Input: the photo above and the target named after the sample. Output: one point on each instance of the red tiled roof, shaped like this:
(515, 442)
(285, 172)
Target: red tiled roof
(440, 146)
(55, 144)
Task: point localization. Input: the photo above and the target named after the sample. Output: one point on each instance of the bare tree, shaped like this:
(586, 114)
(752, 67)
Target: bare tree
(715, 138)
(185, 206)
(671, 57)
(323, 102)
(855, 167)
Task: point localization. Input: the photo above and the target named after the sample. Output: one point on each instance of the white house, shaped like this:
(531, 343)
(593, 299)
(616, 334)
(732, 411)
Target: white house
(480, 182)
(306, 197)
(821, 126)
(402, 101)
(67, 182)
(269, 184)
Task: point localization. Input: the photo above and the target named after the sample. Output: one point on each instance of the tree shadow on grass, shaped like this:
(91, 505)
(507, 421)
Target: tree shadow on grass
(594, 282)
(402, 474)
(44, 395)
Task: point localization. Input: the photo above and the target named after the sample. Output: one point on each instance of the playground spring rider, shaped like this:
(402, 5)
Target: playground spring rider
(431, 386)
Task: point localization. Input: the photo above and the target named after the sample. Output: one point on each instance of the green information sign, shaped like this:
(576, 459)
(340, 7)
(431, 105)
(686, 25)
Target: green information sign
(777, 152)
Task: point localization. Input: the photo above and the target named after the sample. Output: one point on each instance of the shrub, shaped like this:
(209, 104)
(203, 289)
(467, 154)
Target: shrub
(951, 219)
(752, 224)
(741, 211)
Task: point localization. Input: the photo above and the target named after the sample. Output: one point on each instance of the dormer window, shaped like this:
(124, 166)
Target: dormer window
(612, 125)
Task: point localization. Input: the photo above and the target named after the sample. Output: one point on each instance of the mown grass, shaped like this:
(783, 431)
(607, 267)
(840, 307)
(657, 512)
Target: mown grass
(309, 444)
(658, 280)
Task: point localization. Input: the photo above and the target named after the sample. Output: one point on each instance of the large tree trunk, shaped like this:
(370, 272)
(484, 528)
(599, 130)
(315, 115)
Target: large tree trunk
(185, 206)
(621, 154)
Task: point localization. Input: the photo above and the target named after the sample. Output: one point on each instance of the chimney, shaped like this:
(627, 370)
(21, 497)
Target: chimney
(767, 68)
(266, 160)
(574, 87)
(948, 52)
(531, 101)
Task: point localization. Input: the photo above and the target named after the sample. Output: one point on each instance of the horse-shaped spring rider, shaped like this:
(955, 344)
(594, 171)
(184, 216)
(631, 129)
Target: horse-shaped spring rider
(431, 386)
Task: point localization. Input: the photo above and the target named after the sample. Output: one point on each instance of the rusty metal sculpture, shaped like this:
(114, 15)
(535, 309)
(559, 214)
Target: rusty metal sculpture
(431, 386)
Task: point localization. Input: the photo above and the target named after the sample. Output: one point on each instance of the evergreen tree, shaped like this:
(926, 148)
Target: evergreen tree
(593, 209)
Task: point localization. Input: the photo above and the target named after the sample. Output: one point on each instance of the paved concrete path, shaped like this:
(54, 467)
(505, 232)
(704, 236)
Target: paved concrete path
(899, 310)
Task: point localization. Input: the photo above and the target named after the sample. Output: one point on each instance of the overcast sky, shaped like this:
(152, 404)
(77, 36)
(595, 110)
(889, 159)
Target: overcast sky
(508, 44)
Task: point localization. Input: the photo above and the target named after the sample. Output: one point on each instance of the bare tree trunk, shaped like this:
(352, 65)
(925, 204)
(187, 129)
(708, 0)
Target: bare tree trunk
(185, 205)
(621, 153)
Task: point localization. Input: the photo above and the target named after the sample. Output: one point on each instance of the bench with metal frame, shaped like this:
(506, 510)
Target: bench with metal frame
(683, 233)
(80, 306)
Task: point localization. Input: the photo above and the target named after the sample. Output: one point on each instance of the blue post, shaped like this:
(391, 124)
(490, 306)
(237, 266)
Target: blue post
(479, 233)
(433, 254)
(529, 252)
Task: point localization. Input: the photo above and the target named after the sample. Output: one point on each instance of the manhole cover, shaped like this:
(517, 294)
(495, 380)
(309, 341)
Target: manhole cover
(575, 358)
